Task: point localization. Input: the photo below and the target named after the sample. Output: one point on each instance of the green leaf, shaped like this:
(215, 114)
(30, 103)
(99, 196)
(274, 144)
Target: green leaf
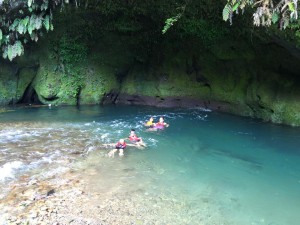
(25, 21)
(20, 28)
(291, 6)
(34, 36)
(18, 48)
(226, 12)
(29, 30)
(275, 17)
(29, 3)
(284, 22)
(4, 53)
(32, 25)
(235, 6)
(169, 22)
(13, 26)
(46, 22)
(44, 6)
(5, 39)
(38, 23)
(10, 52)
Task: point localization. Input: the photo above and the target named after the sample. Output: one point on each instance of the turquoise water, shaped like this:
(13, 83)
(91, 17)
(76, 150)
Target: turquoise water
(208, 168)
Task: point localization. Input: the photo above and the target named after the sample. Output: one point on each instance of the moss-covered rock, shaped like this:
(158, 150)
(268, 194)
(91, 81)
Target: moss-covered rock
(99, 81)
(8, 84)
(233, 50)
(232, 80)
(54, 86)
(26, 76)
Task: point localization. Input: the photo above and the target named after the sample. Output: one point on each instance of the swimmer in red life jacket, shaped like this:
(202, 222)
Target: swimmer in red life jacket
(121, 145)
(161, 124)
(135, 139)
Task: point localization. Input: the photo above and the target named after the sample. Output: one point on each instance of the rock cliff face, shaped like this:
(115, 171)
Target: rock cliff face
(259, 79)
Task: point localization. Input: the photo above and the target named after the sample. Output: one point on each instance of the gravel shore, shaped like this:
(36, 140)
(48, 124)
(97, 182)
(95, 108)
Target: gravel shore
(70, 201)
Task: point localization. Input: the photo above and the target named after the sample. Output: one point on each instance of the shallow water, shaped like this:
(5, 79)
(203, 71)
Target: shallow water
(206, 168)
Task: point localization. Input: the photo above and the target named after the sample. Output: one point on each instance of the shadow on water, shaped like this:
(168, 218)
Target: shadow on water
(249, 161)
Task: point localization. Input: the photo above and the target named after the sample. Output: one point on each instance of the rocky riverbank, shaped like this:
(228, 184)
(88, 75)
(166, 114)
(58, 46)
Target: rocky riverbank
(72, 199)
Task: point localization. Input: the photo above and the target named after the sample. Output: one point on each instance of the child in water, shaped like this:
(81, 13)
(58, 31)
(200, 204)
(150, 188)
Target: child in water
(121, 145)
(161, 124)
(135, 139)
(150, 123)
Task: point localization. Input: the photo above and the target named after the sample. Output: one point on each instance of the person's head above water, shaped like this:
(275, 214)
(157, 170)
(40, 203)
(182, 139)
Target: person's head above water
(132, 131)
(151, 119)
(161, 119)
(122, 141)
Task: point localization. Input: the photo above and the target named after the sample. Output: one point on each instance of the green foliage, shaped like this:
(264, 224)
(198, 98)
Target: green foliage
(35, 23)
(46, 22)
(235, 6)
(11, 51)
(70, 54)
(227, 11)
(29, 3)
(21, 21)
(291, 6)
(208, 32)
(70, 51)
(275, 17)
(170, 21)
(265, 12)
(124, 25)
(27, 20)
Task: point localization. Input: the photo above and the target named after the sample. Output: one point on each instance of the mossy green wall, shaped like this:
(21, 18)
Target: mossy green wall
(257, 79)
(8, 84)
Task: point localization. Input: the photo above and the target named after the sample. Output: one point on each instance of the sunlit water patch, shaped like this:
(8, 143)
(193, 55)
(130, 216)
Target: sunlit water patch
(206, 168)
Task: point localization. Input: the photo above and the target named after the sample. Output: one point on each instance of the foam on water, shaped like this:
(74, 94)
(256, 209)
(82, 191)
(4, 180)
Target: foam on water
(9, 169)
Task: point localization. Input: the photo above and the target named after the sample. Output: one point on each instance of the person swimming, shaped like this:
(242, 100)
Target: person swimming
(135, 139)
(120, 146)
(150, 122)
(161, 124)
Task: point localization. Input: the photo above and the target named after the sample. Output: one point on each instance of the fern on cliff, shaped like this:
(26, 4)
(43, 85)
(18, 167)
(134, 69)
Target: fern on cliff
(227, 12)
(266, 12)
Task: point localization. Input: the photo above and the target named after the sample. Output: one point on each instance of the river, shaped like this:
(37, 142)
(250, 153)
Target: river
(205, 168)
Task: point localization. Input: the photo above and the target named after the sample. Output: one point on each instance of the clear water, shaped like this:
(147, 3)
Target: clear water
(207, 168)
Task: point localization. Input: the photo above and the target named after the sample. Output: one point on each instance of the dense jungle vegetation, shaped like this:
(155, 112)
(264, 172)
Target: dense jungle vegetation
(25, 21)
